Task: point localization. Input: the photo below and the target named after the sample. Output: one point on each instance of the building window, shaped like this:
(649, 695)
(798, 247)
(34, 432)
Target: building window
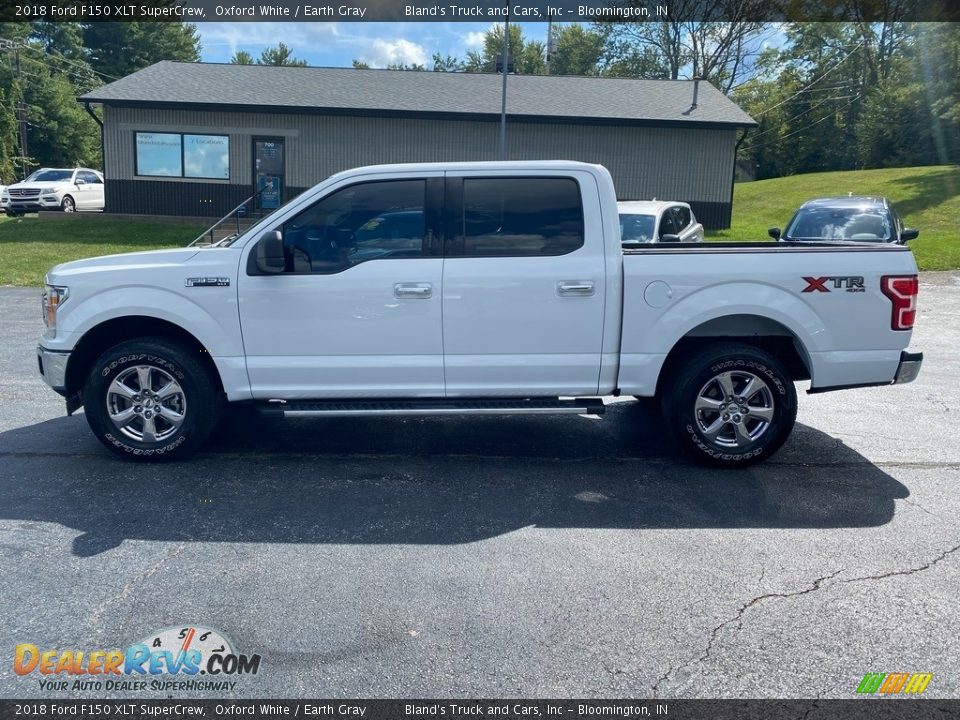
(183, 155)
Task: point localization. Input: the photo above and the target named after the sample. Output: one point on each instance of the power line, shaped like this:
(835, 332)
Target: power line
(62, 58)
(806, 127)
(802, 90)
(800, 114)
(73, 74)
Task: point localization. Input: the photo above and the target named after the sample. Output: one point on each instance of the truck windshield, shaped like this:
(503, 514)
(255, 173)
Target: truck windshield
(637, 228)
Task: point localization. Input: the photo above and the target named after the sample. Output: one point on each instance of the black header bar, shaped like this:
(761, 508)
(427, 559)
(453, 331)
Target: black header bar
(584, 11)
(502, 709)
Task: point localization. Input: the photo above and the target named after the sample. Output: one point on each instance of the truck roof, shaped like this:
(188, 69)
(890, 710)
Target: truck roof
(501, 165)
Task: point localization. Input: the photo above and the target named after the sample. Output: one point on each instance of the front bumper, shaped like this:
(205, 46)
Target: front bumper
(909, 367)
(53, 368)
(25, 206)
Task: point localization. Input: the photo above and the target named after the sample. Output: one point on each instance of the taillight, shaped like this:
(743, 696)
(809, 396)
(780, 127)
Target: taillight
(902, 291)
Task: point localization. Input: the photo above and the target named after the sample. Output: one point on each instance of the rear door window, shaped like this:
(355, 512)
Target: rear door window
(517, 217)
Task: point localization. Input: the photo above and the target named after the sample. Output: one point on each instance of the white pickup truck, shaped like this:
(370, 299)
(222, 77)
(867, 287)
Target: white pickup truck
(471, 288)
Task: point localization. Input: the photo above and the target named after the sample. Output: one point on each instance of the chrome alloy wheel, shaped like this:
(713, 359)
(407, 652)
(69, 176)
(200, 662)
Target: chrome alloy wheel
(146, 403)
(733, 409)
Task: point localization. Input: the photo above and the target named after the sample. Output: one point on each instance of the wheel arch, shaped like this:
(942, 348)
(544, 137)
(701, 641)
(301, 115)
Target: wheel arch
(109, 333)
(758, 331)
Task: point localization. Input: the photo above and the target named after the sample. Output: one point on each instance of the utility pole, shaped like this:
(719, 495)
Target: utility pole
(551, 49)
(505, 70)
(21, 114)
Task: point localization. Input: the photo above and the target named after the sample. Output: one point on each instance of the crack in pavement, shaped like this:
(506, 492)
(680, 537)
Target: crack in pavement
(817, 584)
(736, 619)
(911, 571)
(920, 507)
(127, 588)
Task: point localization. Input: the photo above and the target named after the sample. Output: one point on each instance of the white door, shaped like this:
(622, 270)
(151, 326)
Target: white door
(89, 190)
(523, 286)
(357, 312)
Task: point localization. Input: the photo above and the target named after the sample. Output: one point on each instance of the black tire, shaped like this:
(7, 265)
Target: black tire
(771, 407)
(68, 204)
(200, 399)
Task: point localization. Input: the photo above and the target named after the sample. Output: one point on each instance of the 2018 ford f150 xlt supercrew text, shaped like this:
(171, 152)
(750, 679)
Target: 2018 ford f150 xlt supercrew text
(471, 288)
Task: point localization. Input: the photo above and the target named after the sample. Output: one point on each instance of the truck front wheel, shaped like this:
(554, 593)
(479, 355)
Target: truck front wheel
(730, 405)
(151, 400)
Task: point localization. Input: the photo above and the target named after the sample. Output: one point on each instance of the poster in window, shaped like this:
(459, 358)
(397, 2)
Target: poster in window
(159, 154)
(206, 156)
(269, 187)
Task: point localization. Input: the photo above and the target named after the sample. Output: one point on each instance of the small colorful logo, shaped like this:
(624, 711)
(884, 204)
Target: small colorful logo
(181, 651)
(894, 683)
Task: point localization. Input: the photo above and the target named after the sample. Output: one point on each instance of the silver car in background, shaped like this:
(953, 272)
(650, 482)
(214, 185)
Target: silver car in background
(849, 218)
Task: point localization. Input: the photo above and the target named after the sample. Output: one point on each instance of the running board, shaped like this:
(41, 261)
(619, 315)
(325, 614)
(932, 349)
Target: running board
(492, 406)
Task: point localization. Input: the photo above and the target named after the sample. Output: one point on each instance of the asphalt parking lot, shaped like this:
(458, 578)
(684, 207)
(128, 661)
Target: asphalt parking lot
(538, 557)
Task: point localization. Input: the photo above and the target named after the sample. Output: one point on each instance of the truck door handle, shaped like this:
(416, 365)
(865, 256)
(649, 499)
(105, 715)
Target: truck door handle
(581, 288)
(413, 290)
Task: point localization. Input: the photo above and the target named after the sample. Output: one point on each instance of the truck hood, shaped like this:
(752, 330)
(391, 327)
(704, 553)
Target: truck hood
(150, 259)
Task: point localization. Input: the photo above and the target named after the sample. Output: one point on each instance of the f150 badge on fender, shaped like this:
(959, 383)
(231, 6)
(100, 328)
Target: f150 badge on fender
(851, 283)
(207, 282)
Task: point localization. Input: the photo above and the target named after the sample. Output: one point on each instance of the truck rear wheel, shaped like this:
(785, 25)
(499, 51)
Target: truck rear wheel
(151, 400)
(730, 405)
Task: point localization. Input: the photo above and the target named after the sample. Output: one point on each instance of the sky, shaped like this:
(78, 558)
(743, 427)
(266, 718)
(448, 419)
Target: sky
(337, 44)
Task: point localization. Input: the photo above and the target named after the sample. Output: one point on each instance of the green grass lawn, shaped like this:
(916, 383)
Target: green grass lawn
(928, 198)
(30, 246)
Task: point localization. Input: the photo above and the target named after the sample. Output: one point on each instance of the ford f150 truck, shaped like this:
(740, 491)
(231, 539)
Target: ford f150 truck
(471, 288)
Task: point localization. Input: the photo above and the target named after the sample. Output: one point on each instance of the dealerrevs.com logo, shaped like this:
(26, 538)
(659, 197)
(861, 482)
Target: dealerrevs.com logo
(894, 683)
(172, 659)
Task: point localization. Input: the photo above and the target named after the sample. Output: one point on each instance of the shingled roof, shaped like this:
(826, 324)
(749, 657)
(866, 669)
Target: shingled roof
(405, 93)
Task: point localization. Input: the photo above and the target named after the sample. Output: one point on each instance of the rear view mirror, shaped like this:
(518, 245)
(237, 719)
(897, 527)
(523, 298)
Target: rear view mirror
(908, 234)
(80, 181)
(774, 232)
(270, 258)
(669, 237)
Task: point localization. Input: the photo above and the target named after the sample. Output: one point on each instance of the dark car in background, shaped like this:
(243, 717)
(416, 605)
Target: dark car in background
(850, 218)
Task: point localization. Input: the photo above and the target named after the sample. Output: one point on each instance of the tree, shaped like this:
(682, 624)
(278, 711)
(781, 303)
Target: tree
(578, 50)
(716, 47)
(280, 55)
(447, 63)
(52, 74)
(116, 49)
(241, 57)
(526, 56)
(9, 167)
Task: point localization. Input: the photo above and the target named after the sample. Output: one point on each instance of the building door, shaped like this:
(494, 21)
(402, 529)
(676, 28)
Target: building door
(268, 175)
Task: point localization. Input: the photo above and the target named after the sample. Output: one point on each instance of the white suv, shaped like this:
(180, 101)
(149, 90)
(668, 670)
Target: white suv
(55, 189)
(651, 221)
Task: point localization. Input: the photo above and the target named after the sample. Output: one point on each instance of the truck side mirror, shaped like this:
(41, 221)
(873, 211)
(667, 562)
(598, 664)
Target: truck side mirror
(270, 258)
(669, 237)
(774, 232)
(908, 234)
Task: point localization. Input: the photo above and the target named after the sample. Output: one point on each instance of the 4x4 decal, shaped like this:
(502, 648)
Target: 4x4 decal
(850, 283)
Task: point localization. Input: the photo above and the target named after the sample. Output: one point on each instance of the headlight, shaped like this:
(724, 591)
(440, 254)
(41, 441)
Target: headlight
(53, 297)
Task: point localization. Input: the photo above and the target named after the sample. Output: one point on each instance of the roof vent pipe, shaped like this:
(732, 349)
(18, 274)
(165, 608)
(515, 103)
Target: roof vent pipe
(696, 91)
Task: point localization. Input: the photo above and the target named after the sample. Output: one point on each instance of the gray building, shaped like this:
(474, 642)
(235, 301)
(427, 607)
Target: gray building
(198, 139)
